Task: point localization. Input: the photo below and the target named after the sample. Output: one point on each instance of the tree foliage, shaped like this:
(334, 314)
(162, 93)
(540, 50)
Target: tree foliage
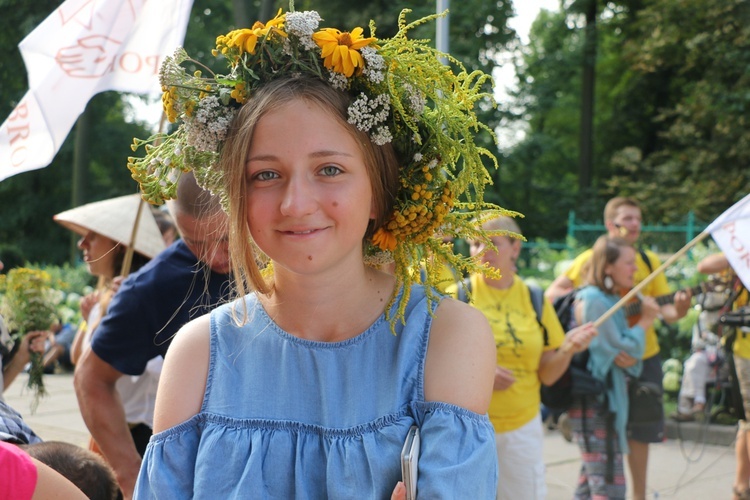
(31, 199)
(698, 53)
(670, 114)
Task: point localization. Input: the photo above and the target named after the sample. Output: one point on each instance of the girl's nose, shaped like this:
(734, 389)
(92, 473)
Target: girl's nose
(299, 197)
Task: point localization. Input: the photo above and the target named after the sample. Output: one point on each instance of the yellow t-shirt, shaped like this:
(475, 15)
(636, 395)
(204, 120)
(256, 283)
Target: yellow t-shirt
(656, 288)
(742, 341)
(520, 342)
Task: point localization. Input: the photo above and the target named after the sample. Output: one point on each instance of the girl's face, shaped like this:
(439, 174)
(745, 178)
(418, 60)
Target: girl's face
(309, 198)
(504, 259)
(623, 269)
(99, 254)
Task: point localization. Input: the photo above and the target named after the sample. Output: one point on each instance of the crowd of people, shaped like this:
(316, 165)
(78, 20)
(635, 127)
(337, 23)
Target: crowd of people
(295, 358)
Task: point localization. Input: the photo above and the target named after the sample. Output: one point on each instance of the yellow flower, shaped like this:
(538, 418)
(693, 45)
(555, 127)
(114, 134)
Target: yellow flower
(168, 103)
(246, 39)
(239, 94)
(384, 239)
(340, 49)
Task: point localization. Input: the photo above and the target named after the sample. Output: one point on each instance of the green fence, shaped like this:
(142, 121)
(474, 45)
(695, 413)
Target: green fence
(661, 238)
(664, 239)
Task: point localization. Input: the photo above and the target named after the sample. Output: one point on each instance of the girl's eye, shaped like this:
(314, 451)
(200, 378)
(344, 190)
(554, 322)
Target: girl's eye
(265, 175)
(330, 170)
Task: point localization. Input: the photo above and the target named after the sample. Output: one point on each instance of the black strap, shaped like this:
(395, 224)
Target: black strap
(464, 289)
(585, 434)
(609, 475)
(535, 293)
(537, 300)
(646, 259)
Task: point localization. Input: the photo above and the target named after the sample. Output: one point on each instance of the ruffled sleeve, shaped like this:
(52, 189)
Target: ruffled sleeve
(457, 457)
(167, 470)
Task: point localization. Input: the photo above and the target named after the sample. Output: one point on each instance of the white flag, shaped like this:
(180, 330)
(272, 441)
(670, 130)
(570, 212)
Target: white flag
(731, 231)
(83, 48)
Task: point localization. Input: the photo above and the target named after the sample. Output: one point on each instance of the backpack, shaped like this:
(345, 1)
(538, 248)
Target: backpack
(577, 381)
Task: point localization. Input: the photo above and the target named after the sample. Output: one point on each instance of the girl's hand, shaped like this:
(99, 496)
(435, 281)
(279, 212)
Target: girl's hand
(399, 492)
(34, 341)
(31, 342)
(649, 311)
(87, 303)
(624, 360)
(579, 338)
(503, 378)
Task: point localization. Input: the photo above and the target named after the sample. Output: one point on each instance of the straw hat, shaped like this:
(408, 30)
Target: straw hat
(114, 219)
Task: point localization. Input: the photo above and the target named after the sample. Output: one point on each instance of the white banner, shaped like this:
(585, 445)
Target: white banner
(731, 231)
(83, 48)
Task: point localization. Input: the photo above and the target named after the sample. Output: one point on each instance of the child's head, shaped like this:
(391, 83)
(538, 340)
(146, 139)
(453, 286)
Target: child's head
(413, 117)
(85, 469)
(380, 161)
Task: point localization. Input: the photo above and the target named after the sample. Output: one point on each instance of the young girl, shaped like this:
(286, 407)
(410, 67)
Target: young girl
(308, 387)
(599, 424)
(105, 228)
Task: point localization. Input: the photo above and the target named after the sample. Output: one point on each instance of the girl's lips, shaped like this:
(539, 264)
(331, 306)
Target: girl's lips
(301, 232)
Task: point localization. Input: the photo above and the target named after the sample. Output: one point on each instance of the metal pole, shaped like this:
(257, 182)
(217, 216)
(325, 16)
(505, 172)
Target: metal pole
(441, 34)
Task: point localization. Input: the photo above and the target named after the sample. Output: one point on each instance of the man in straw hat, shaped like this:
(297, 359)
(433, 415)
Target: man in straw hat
(185, 281)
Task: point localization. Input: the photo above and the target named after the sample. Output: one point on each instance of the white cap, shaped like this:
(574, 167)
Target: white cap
(114, 218)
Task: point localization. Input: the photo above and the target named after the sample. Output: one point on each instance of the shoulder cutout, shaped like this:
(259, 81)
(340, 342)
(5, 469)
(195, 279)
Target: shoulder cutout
(183, 378)
(461, 357)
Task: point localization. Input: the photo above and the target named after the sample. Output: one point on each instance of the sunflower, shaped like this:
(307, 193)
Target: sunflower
(245, 40)
(340, 49)
(384, 239)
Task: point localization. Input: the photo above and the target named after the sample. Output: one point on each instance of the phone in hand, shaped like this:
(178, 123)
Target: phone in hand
(409, 458)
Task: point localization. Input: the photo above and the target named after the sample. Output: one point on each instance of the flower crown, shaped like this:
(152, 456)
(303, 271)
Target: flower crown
(400, 94)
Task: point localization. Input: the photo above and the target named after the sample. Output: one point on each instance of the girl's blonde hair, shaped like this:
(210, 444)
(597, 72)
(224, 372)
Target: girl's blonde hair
(380, 161)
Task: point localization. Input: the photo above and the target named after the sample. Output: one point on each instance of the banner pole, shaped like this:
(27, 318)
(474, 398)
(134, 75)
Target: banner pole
(127, 261)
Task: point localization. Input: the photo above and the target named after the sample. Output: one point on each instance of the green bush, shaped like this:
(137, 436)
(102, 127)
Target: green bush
(71, 283)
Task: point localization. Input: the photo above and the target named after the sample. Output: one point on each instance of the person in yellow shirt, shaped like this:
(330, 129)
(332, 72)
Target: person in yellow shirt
(713, 264)
(622, 217)
(523, 362)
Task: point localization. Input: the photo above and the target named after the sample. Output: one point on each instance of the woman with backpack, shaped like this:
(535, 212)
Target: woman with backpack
(599, 421)
(532, 349)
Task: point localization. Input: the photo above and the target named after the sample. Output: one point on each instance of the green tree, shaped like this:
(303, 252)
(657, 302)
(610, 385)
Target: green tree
(670, 126)
(478, 33)
(698, 53)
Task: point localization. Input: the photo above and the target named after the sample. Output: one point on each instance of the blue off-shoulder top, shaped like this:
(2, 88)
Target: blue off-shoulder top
(284, 417)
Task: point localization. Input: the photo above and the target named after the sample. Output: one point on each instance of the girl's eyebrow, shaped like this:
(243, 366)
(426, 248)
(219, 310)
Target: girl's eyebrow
(317, 154)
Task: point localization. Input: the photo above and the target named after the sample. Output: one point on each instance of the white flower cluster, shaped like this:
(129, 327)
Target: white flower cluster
(369, 114)
(381, 136)
(171, 68)
(374, 64)
(379, 259)
(208, 127)
(303, 25)
(417, 100)
(337, 80)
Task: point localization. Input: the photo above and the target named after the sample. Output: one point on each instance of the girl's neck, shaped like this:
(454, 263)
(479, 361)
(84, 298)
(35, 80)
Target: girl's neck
(328, 308)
